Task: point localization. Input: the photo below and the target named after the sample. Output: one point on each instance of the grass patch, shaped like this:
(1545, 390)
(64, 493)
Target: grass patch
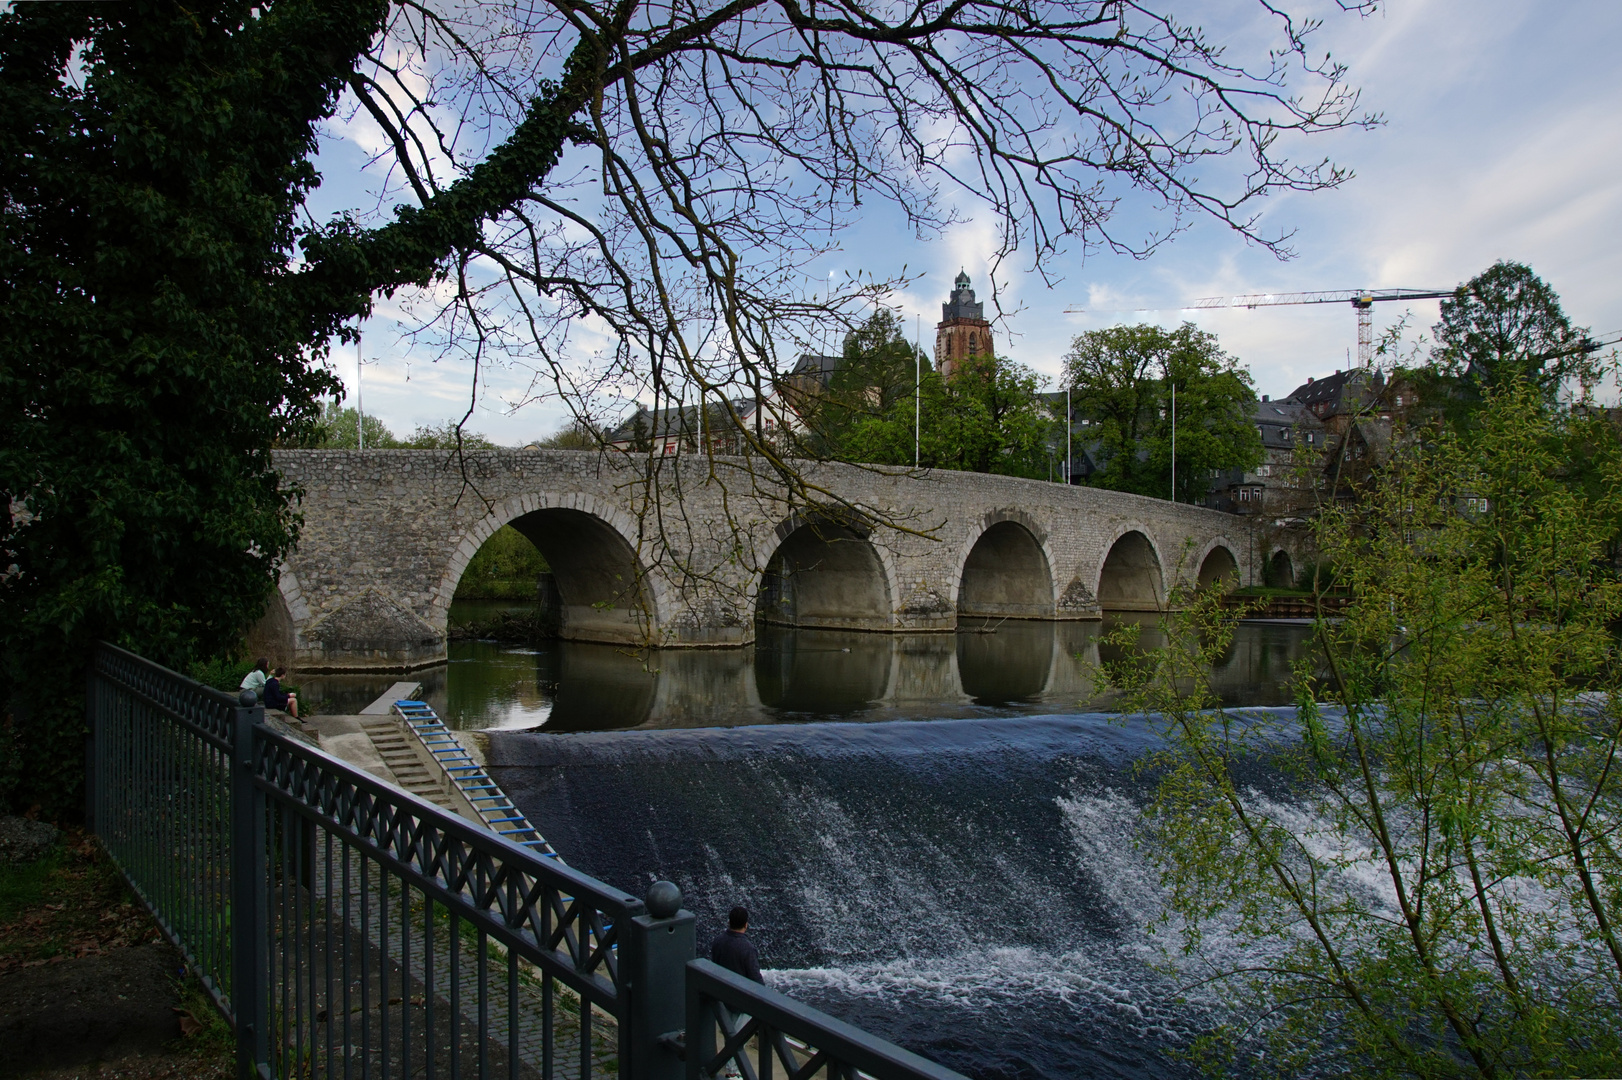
(70, 903)
(25, 885)
(203, 1030)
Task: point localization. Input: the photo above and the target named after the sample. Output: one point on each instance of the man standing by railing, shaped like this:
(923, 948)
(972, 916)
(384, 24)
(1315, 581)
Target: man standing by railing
(733, 950)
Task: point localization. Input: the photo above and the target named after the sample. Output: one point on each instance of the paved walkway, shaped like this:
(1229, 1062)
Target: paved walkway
(440, 995)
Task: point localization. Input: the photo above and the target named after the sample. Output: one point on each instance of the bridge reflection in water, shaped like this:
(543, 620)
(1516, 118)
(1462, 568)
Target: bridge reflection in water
(798, 675)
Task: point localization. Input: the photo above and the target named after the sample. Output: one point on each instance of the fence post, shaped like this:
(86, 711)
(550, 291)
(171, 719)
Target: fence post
(249, 910)
(700, 1041)
(92, 733)
(662, 941)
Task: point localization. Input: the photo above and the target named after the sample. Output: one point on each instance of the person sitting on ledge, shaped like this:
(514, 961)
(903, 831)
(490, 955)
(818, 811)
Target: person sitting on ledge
(255, 679)
(277, 698)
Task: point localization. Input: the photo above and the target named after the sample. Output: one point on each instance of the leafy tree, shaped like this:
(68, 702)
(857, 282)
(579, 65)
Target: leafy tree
(505, 567)
(340, 427)
(447, 435)
(878, 368)
(1433, 889)
(337, 430)
(577, 435)
(1506, 324)
(988, 417)
(1121, 380)
(168, 300)
(880, 365)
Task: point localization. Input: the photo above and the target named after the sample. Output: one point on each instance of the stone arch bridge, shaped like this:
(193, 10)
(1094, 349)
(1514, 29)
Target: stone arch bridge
(388, 533)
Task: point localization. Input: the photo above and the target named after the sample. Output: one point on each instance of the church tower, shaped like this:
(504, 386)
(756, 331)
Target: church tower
(963, 330)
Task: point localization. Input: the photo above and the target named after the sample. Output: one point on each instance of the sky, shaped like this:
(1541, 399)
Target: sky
(1500, 141)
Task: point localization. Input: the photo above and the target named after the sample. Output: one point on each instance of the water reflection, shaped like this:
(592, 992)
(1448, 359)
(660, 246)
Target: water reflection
(790, 676)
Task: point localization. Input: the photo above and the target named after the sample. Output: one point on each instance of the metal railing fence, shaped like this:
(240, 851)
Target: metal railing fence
(736, 1025)
(347, 928)
(159, 779)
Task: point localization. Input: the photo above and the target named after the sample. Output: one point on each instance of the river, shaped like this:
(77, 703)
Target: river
(935, 833)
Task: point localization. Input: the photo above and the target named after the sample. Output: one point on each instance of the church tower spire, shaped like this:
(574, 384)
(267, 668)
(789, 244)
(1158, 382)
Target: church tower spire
(963, 331)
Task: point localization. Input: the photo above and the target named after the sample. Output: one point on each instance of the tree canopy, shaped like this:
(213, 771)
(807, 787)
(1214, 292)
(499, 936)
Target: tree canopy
(987, 417)
(662, 174)
(1121, 381)
(1434, 891)
(878, 367)
(1506, 324)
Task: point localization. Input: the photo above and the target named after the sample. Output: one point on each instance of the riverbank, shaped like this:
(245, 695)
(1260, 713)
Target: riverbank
(88, 985)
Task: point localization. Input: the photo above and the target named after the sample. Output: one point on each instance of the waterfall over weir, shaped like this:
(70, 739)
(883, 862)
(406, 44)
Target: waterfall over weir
(969, 888)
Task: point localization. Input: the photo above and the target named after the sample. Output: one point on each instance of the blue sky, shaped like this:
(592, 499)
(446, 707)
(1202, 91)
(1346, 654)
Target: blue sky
(1500, 142)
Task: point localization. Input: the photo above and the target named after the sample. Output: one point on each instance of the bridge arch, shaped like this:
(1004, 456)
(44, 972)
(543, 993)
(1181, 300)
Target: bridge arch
(607, 593)
(1006, 570)
(287, 583)
(1130, 577)
(825, 573)
(1280, 570)
(275, 635)
(1217, 565)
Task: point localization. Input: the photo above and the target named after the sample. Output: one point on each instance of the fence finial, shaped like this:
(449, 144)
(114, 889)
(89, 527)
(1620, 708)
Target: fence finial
(664, 899)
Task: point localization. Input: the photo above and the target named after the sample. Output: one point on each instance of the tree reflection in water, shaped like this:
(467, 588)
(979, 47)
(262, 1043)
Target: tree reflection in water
(1011, 667)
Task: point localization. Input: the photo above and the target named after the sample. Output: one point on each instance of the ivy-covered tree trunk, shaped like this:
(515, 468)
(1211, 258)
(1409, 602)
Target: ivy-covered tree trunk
(159, 336)
(167, 302)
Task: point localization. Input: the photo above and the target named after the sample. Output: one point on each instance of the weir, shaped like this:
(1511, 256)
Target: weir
(974, 889)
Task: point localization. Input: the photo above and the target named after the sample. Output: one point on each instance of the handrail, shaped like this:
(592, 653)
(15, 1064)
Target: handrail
(469, 776)
(543, 910)
(202, 709)
(802, 1039)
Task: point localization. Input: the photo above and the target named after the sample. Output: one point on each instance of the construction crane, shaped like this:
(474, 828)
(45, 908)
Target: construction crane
(1361, 299)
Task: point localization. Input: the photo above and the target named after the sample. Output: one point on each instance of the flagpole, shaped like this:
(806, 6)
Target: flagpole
(360, 405)
(917, 386)
(1069, 421)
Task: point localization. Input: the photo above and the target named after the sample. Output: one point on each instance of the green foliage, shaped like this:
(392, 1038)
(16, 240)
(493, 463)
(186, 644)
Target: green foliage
(27, 885)
(162, 333)
(505, 568)
(1438, 893)
(986, 418)
(1121, 380)
(215, 1038)
(1506, 324)
(577, 436)
(221, 672)
(445, 436)
(878, 368)
(340, 429)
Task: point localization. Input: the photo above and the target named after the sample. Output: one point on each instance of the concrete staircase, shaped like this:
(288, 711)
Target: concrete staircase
(399, 752)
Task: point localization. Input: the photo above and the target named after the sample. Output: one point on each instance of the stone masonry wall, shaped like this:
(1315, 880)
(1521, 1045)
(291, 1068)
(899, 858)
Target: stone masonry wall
(387, 534)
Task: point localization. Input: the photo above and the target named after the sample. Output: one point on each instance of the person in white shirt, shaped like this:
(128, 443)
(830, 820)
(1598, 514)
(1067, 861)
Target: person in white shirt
(255, 679)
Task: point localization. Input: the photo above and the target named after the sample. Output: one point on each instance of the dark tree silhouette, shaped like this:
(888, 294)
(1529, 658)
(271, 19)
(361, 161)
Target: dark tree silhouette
(655, 176)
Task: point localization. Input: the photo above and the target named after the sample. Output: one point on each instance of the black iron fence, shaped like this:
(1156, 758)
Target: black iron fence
(347, 928)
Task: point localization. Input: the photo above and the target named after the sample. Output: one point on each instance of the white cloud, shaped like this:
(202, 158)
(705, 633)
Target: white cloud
(1500, 142)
